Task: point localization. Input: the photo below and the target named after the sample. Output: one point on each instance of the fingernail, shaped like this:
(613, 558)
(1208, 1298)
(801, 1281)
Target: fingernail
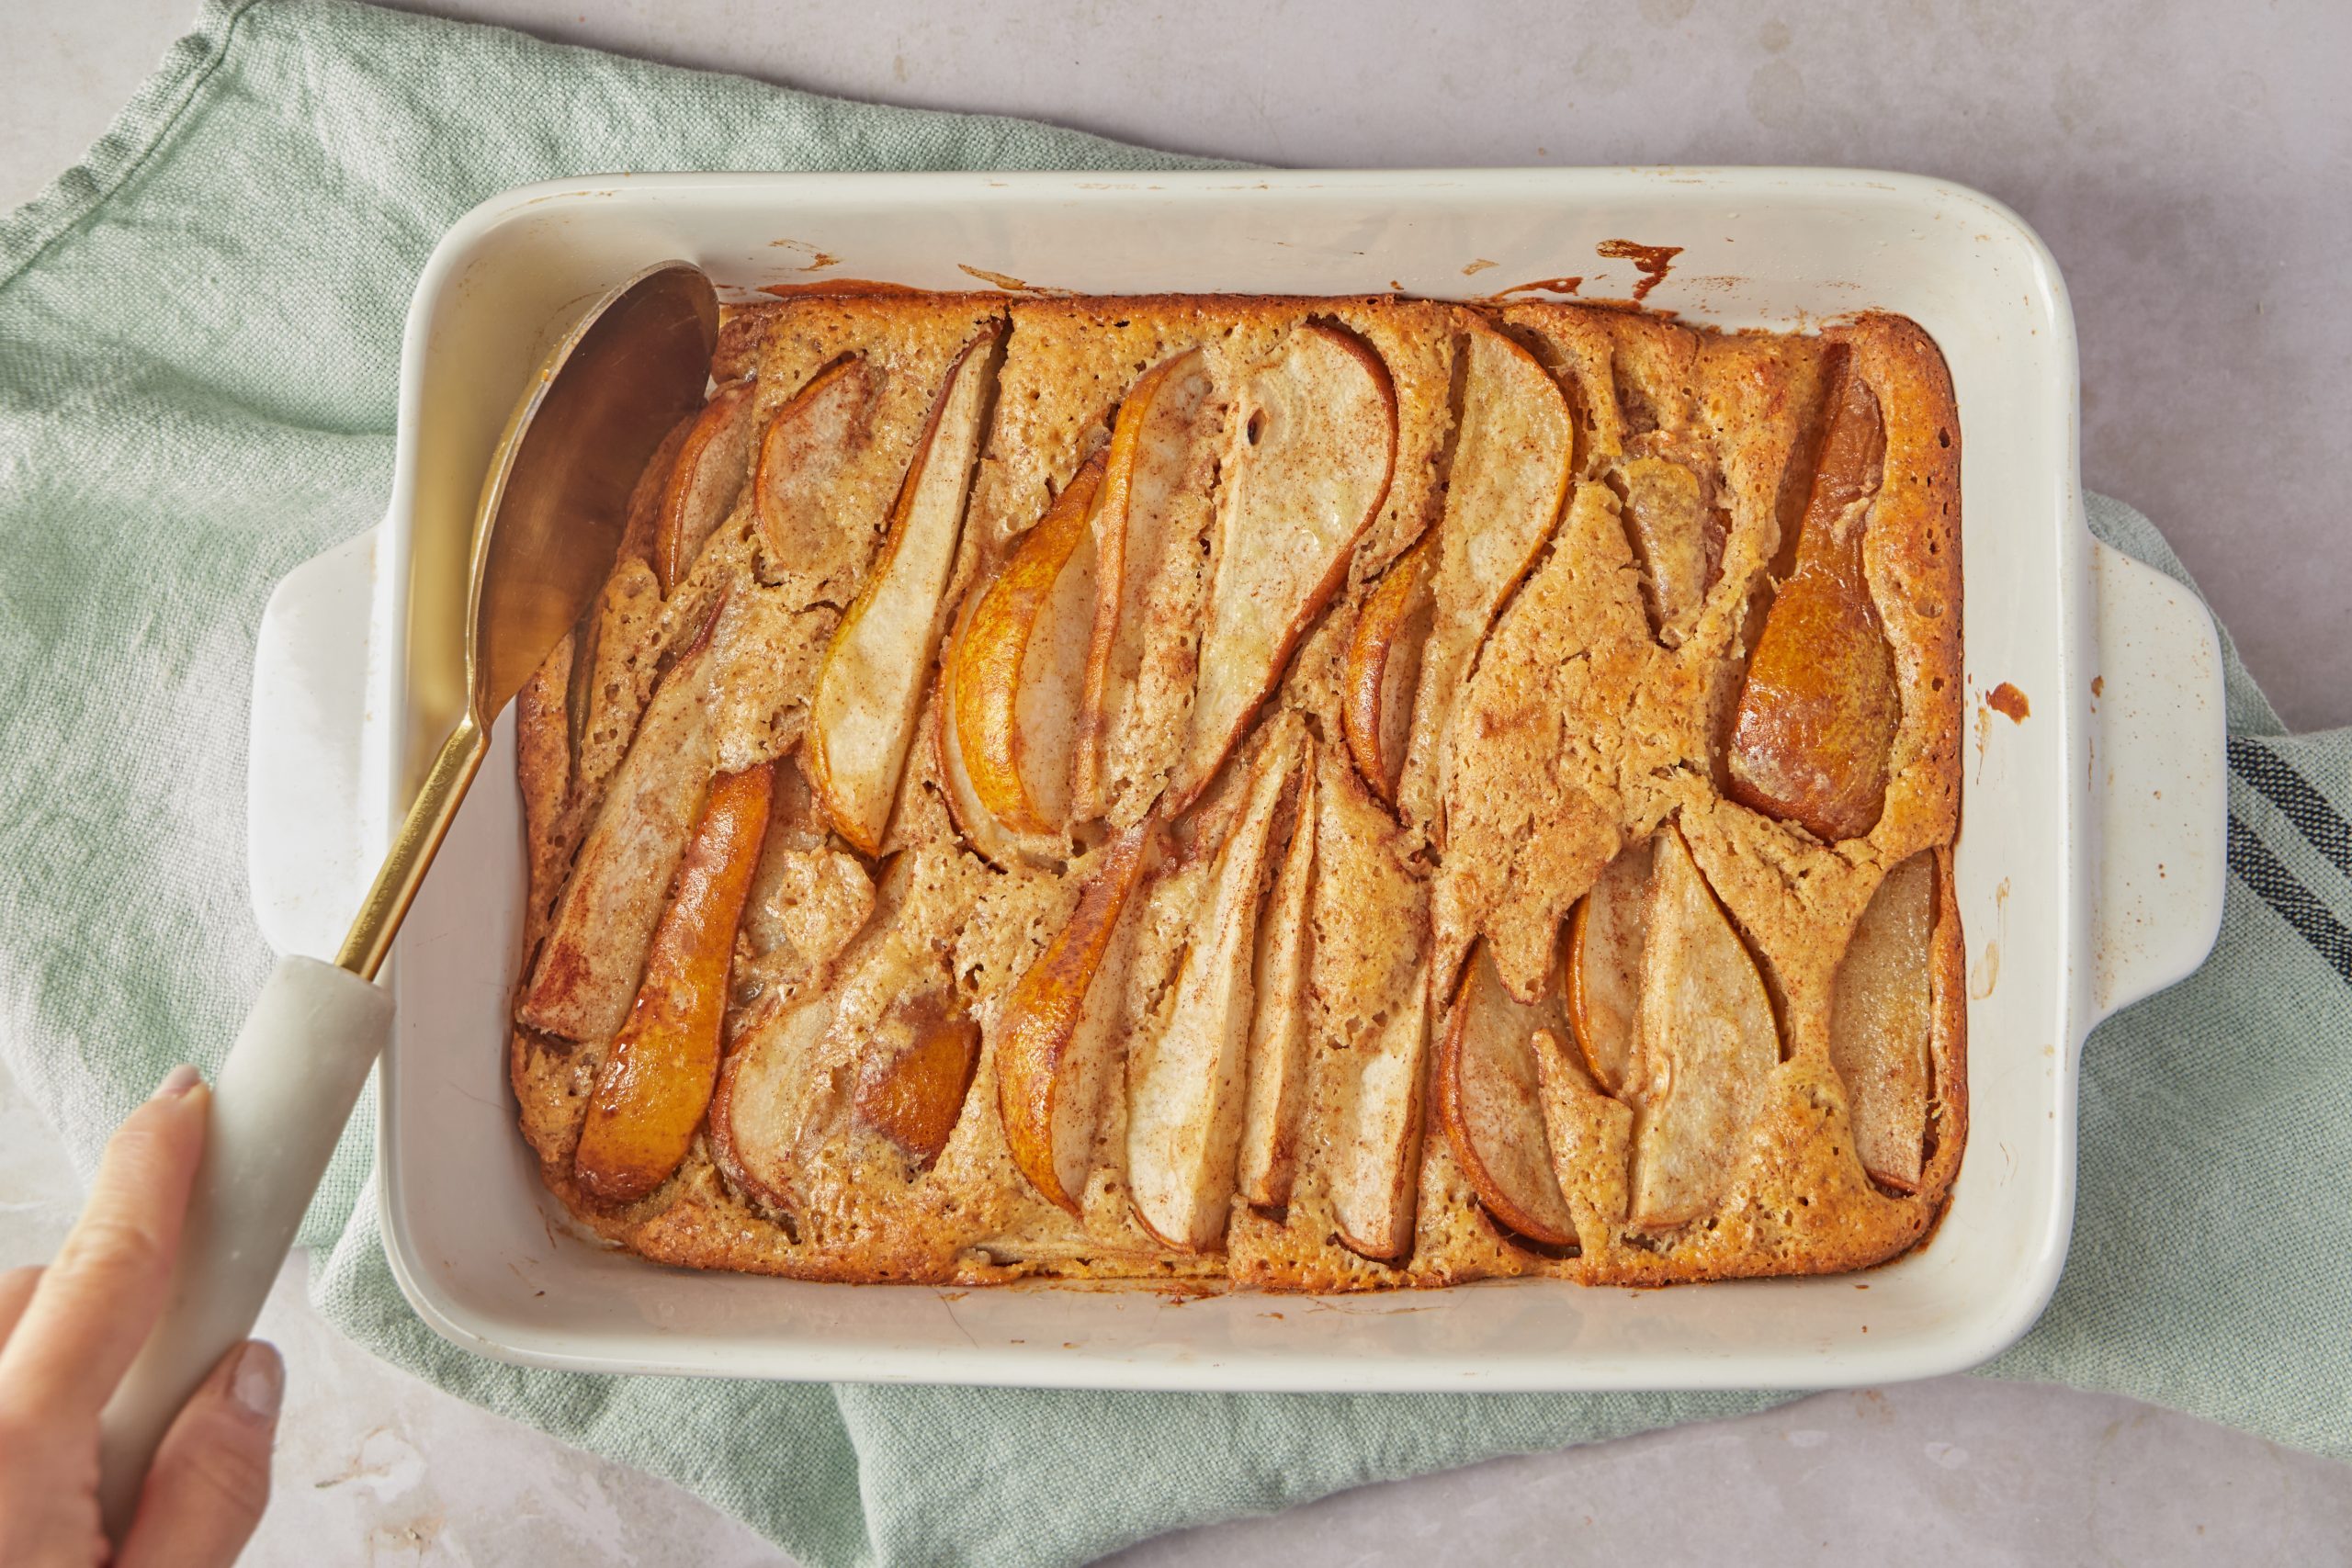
(178, 1082)
(258, 1381)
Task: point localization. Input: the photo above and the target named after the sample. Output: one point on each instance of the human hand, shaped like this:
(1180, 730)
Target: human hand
(67, 1334)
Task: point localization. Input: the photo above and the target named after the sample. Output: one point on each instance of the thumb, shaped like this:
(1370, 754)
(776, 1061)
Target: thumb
(210, 1480)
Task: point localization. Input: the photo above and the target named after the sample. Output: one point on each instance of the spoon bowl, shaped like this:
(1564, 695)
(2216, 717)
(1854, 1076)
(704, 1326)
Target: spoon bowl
(553, 507)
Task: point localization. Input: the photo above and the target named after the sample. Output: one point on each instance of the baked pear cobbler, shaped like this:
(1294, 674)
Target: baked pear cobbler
(1306, 794)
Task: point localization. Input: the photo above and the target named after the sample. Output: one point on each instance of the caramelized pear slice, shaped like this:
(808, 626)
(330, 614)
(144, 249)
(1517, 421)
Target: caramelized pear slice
(1017, 672)
(989, 838)
(1314, 446)
(1819, 705)
(1057, 1038)
(915, 1072)
(1707, 1046)
(869, 691)
(703, 486)
(1489, 1103)
(1187, 1089)
(655, 1084)
(1880, 1018)
(1383, 665)
(1278, 1033)
(1152, 458)
(588, 967)
(1604, 974)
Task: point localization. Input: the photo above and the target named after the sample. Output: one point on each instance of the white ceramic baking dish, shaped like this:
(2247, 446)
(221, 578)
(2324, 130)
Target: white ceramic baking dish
(2090, 865)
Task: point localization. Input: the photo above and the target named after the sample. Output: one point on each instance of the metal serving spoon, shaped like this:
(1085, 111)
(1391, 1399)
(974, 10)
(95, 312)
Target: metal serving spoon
(553, 507)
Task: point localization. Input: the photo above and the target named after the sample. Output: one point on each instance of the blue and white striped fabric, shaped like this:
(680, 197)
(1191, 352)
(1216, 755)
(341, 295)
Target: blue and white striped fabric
(2284, 798)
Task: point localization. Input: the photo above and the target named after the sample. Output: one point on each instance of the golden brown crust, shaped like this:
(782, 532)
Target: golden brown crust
(1911, 554)
(1588, 725)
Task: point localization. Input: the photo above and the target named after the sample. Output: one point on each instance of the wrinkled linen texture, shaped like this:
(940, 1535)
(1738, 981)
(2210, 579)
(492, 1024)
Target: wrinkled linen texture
(199, 330)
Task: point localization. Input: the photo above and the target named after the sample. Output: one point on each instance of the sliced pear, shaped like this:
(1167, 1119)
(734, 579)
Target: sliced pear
(1544, 752)
(792, 1066)
(1818, 704)
(1151, 458)
(1489, 1103)
(870, 692)
(1384, 667)
(1603, 974)
(1056, 1039)
(1313, 446)
(1880, 1018)
(990, 839)
(646, 501)
(1678, 539)
(1268, 1166)
(588, 968)
(704, 484)
(1590, 1134)
(915, 1072)
(1016, 675)
(1187, 1088)
(1376, 1144)
(1511, 468)
(807, 444)
(656, 1082)
(1707, 1046)
(1371, 983)
(759, 1112)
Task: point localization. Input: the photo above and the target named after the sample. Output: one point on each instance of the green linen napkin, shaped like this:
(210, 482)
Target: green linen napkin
(198, 340)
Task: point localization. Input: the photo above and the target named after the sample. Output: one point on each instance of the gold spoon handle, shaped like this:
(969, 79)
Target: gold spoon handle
(412, 852)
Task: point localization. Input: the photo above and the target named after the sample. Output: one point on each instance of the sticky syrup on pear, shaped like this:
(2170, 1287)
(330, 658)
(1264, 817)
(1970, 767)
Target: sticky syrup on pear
(1819, 705)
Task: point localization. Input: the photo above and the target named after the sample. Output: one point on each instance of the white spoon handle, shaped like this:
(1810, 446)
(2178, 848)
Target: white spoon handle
(278, 1109)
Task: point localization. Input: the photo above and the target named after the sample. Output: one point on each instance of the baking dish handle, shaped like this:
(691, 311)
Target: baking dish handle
(308, 853)
(2159, 783)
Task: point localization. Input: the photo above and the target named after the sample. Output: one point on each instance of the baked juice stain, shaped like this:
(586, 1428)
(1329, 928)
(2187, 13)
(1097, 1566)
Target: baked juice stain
(836, 285)
(1539, 286)
(1986, 975)
(2004, 699)
(1652, 262)
(818, 260)
(1009, 283)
